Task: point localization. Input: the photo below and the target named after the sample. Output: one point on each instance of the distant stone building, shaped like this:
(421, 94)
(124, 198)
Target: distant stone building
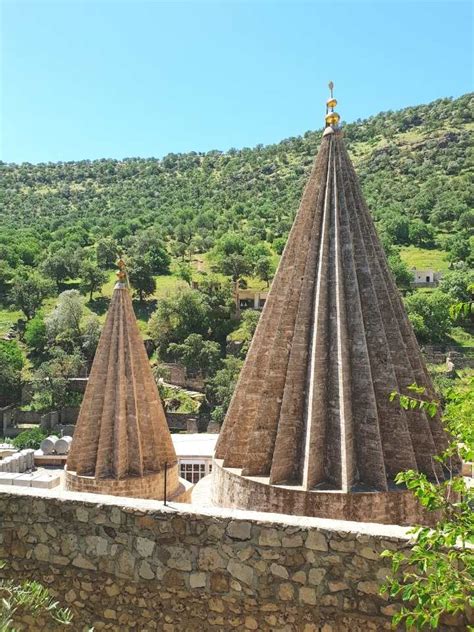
(311, 429)
(122, 445)
(425, 278)
(251, 299)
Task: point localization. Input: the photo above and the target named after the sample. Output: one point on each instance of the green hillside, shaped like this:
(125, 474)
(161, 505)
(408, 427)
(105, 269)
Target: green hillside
(414, 166)
(220, 219)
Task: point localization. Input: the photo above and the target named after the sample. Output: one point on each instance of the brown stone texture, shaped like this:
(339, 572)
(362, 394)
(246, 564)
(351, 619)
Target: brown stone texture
(147, 486)
(122, 437)
(311, 407)
(146, 567)
(400, 507)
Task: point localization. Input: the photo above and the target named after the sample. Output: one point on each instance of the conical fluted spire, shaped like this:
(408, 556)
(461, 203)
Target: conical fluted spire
(311, 407)
(122, 430)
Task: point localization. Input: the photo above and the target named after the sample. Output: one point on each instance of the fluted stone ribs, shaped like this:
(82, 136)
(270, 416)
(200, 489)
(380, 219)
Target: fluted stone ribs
(311, 407)
(122, 430)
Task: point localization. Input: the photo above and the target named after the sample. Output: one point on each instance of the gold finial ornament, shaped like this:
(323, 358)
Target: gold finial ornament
(332, 118)
(121, 272)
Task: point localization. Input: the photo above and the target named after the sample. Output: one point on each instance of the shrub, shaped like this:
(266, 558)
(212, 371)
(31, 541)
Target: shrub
(29, 439)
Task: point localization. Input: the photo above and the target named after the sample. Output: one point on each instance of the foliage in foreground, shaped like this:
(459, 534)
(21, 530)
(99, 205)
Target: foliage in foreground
(32, 597)
(436, 576)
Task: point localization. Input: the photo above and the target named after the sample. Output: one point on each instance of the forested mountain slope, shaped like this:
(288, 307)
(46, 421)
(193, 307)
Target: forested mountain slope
(414, 164)
(182, 217)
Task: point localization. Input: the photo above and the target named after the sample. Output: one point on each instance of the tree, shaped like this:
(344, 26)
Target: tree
(178, 317)
(140, 275)
(403, 276)
(435, 577)
(396, 226)
(264, 269)
(106, 252)
(421, 234)
(220, 388)
(244, 334)
(429, 315)
(279, 245)
(50, 381)
(197, 354)
(61, 265)
(6, 274)
(460, 248)
(72, 327)
(35, 333)
(63, 325)
(11, 365)
(149, 244)
(232, 257)
(90, 334)
(457, 284)
(185, 272)
(219, 301)
(29, 289)
(92, 277)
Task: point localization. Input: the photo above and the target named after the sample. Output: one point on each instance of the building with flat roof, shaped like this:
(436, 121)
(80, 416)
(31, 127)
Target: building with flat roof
(194, 453)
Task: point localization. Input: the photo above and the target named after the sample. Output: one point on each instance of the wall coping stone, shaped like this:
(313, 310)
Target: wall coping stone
(138, 504)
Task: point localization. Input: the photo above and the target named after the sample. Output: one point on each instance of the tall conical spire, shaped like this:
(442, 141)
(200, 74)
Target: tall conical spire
(311, 409)
(122, 442)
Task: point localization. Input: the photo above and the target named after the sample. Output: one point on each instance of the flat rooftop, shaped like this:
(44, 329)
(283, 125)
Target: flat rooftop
(200, 445)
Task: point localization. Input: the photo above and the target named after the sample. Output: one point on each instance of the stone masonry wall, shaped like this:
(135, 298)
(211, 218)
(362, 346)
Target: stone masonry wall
(123, 564)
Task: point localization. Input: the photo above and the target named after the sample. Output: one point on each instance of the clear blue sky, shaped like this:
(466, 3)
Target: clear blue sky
(118, 78)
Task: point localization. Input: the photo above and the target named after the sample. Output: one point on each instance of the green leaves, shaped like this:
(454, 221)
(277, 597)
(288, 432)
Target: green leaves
(436, 575)
(411, 403)
(31, 597)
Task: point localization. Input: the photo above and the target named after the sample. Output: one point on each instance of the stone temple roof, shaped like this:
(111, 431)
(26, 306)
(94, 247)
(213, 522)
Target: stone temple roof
(122, 430)
(311, 408)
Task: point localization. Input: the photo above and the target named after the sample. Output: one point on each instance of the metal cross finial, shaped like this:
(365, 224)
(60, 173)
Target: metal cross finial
(331, 88)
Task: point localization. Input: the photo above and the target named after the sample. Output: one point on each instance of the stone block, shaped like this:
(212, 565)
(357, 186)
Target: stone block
(269, 537)
(292, 541)
(286, 591)
(145, 570)
(369, 588)
(307, 595)
(299, 577)
(316, 541)
(144, 546)
(368, 553)
(26, 479)
(219, 582)
(46, 480)
(239, 530)
(197, 580)
(279, 571)
(210, 559)
(316, 575)
(6, 478)
(345, 546)
(242, 572)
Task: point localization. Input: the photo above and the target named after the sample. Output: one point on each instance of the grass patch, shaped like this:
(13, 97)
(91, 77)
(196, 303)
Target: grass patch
(8, 317)
(422, 258)
(462, 337)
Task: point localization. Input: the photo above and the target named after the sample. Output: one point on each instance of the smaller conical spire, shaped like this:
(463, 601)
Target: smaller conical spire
(122, 444)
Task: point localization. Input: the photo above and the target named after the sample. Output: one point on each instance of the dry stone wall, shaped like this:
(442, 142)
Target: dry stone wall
(127, 564)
